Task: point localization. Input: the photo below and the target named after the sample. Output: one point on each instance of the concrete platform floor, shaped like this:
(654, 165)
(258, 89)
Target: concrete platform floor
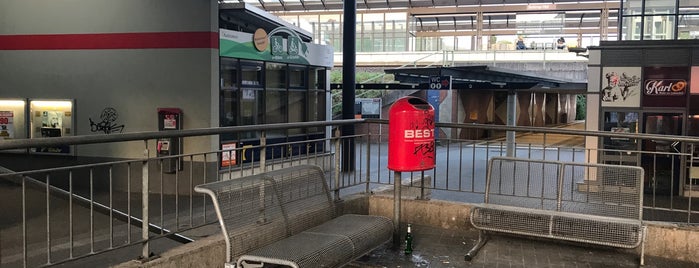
(436, 248)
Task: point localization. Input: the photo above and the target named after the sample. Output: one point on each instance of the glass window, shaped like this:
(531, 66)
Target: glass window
(251, 97)
(297, 96)
(660, 7)
(229, 108)
(316, 97)
(275, 77)
(297, 77)
(689, 6)
(620, 122)
(229, 73)
(251, 73)
(688, 27)
(229, 92)
(659, 28)
(633, 7)
(275, 105)
(631, 29)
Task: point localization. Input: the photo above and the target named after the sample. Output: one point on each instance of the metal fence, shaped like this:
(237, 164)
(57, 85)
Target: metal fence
(57, 209)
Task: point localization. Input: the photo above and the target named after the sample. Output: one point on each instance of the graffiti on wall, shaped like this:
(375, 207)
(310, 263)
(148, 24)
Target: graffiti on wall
(108, 124)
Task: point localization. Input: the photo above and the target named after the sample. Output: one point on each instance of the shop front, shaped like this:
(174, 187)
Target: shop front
(648, 94)
(272, 76)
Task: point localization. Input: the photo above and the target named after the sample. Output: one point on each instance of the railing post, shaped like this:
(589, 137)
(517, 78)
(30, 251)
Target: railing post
(337, 164)
(145, 253)
(368, 159)
(263, 151)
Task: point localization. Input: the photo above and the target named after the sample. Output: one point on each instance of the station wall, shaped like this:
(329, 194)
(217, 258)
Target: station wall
(132, 56)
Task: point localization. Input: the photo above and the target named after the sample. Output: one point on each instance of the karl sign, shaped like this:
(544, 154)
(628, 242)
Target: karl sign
(664, 87)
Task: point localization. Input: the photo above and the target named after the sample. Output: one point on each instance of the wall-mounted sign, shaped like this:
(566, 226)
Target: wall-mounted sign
(7, 129)
(260, 39)
(664, 87)
(621, 87)
(228, 157)
(440, 82)
(368, 107)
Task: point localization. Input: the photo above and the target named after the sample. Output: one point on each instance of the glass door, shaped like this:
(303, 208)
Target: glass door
(661, 159)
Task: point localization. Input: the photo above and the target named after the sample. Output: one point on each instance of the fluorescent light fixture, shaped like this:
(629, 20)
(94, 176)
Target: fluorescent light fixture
(12, 103)
(52, 104)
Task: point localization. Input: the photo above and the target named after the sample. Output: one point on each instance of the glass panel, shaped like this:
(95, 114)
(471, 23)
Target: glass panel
(252, 112)
(632, 7)
(660, 7)
(297, 77)
(251, 73)
(330, 31)
(297, 109)
(229, 73)
(276, 97)
(693, 126)
(689, 6)
(659, 27)
(688, 27)
(275, 77)
(229, 108)
(621, 122)
(662, 167)
(631, 28)
(276, 110)
(316, 98)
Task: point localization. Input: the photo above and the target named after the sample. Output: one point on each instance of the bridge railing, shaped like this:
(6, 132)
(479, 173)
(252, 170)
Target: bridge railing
(62, 209)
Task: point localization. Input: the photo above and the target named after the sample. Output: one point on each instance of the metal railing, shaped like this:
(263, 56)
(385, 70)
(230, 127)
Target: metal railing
(61, 209)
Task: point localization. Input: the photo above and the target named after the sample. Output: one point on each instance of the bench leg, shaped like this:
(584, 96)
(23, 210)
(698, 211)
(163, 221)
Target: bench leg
(482, 239)
(643, 245)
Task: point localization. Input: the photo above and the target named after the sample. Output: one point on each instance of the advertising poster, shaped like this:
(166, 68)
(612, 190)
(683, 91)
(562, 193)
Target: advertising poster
(621, 87)
(228, 154)
(7, 129)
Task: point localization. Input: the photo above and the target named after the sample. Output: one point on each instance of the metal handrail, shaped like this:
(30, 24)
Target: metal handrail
(149, 135)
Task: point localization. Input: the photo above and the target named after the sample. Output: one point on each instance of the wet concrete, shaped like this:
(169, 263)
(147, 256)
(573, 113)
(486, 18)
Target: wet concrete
(437, 248)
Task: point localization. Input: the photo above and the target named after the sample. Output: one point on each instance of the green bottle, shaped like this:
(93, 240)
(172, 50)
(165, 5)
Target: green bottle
(408, 242)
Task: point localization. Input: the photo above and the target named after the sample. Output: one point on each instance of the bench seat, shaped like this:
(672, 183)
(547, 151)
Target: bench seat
(593, 229)
(331, 244)
(287, 217)
(538, 198)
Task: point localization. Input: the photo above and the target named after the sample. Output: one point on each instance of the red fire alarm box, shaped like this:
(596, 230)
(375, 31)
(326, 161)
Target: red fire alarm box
(411, 140)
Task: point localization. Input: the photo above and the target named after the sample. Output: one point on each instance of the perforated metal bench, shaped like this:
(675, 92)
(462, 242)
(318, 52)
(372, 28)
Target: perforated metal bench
(539, 198)
(287, 217)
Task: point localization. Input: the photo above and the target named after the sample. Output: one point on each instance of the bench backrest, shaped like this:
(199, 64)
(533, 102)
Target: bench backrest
(584, 188)
(259, 209)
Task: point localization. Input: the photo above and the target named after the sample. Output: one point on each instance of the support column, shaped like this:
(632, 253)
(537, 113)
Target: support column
(479, 30)
(349, 62)
(511, 121)
(604, 25)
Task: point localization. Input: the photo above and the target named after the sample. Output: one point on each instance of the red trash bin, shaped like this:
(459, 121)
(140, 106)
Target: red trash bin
(411, 140)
